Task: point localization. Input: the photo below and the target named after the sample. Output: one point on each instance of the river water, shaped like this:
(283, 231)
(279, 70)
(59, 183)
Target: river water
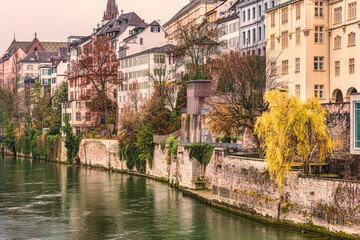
(41, 200)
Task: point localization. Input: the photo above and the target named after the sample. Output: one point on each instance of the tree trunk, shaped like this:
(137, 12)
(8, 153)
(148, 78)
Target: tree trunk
(107, 118)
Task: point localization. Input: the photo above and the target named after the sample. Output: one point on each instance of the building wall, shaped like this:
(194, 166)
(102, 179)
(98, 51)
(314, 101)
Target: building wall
(345, 82)
(254, 22)
(306, 50)
(195, 15)
(59, 76)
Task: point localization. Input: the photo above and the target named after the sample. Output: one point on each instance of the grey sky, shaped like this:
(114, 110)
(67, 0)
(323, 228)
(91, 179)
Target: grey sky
(54, 20)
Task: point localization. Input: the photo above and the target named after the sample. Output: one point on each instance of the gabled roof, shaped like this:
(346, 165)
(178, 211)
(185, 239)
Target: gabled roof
(186, 8)
(48, 46)
(39, 57)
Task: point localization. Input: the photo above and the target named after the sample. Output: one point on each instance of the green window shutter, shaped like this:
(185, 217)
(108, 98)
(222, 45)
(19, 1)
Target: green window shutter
(155, 58)
(49, 71)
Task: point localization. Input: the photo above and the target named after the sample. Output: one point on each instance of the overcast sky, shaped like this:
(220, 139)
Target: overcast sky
(55, 20)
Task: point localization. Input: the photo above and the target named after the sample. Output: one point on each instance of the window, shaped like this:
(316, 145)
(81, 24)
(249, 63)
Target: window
(78, 131)
(284, 39)
(254, 35)
(141, 41)
(357, 124)
(298, 11)
(351, 66)
(351, 39)
(259, 10)
(248, 37)
(254, 14)
(155, 29)
(88, 116)
(259, 34)
(297, 90)
(337, 68)
(159, 58)
(273, 68)
(337, 42)
(30, 67)
(319, 9)
(248, 14)
(78, 105)
(272, 18)
(244, 37)
(297, 36)
(285, 67)
(319, 33)
(297, 64)
(352, 10)
(244, 16)
(318, 63)
(319, 91)
(337, 15)
(284, 15)
(266, 7)
(272, 42)
(78, 116)
(87, 104)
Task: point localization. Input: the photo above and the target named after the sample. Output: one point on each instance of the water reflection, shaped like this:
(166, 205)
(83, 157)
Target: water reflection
(41, 200)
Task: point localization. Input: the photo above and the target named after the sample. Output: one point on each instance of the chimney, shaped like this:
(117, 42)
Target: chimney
(122, 12)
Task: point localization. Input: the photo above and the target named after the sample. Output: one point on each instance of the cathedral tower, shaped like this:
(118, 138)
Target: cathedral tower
(112, 11)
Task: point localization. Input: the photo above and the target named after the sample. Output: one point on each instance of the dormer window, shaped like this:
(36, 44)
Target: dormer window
(130, 32)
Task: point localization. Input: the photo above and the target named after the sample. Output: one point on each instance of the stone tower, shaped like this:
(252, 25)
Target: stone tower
(112, 11)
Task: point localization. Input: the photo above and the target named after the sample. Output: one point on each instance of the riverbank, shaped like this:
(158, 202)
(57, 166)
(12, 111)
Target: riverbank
(242, 186)
(206, 197)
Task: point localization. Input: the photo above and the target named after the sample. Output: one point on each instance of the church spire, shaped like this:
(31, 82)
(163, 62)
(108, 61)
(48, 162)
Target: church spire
(112, 11)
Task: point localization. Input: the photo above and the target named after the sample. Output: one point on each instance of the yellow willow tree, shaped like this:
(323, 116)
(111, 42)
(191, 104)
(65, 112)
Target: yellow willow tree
(293, 131)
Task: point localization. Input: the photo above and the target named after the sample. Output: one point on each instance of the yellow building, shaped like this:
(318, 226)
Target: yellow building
(297, 47)
(194, 12)
(312, 46)
(344, 32)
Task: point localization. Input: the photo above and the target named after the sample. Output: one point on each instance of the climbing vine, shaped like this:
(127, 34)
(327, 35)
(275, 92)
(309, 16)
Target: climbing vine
(201, 152)
(172, 146)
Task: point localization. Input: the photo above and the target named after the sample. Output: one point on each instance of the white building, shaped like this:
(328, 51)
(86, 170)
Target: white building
(138, 71)
(252, 25)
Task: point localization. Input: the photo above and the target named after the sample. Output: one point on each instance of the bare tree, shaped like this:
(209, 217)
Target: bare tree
(239, 85)
(97, 70)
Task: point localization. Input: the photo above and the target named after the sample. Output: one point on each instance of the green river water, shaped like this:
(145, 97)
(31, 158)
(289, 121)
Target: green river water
(42, 200)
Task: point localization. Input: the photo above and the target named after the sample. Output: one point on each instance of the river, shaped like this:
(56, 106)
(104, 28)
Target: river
(42, 200)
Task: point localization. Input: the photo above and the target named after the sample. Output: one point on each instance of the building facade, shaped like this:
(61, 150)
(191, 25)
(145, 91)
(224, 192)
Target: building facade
(313, 46)
(194, 12)
(298, 47)
(252, 25)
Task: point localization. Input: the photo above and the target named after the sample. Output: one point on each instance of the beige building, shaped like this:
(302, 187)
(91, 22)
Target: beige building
(297, 47)
(194, 12)
(344, 32)
(312, 47)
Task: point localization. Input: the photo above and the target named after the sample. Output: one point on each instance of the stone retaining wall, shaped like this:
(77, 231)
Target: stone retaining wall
(332, 204)
(245, 183)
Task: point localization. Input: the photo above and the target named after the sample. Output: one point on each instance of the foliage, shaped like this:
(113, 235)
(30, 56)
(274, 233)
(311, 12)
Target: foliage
(293, 131)
(145, 144)
(60, 96)
(226, 139)
(97, 69)
(201, 152)
(39, 145)
(154, 112)
(239, 83)
(173, 145)
(72, 143)
(130, 153)
(9, 141)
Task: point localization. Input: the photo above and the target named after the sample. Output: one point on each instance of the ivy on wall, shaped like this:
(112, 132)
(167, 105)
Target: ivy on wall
(201, 152)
